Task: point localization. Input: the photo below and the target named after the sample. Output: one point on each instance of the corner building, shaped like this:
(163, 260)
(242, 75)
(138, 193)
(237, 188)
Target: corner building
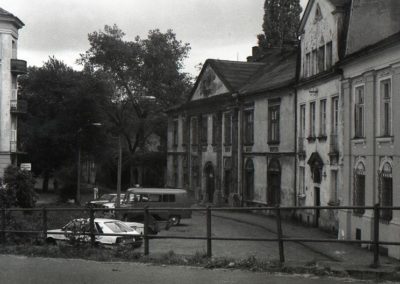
(10, 107)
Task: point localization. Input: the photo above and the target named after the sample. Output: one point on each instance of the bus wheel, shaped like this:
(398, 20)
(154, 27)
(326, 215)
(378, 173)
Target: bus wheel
(174, 220)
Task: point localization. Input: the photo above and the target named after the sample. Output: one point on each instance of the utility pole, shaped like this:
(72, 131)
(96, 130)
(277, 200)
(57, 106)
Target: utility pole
(119, 171)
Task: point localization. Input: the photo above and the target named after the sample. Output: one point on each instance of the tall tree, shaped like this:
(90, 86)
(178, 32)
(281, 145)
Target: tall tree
(146, 78)
(60, 102)
(281, 21)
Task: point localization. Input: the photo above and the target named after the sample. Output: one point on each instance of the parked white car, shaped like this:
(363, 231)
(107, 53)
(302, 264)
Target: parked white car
(81, 227)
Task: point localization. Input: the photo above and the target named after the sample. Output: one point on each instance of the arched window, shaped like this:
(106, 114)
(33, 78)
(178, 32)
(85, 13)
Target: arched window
(274, 183)
(359, 188)
(386, 191)
(249, 180)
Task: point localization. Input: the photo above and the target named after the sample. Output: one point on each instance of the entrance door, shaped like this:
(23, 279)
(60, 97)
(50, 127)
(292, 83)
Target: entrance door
(317, 203)
(210, 183)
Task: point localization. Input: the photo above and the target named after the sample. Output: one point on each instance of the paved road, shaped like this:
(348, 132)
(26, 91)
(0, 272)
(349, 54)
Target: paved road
(223, 227)
(26, 270)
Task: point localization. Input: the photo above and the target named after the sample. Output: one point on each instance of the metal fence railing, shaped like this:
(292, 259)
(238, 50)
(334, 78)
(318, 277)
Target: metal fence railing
(147, 211)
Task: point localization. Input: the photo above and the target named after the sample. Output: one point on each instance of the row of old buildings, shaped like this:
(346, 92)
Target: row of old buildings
(313, 124)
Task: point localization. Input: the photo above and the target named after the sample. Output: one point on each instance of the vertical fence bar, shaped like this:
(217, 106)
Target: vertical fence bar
(91, 226)
(146, 230)
(280, 235)
(3, 226)
(209, 247)
(376, 236)
(44, 223)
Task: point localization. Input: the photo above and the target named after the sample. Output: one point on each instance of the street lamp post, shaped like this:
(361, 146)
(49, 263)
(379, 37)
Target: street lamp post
(78, 186)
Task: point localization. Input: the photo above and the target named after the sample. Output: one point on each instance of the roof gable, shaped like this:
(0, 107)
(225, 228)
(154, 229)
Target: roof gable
(222, 76)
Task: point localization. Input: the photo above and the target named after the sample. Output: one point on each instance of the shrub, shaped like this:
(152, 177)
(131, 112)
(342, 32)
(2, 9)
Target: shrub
(17, 188)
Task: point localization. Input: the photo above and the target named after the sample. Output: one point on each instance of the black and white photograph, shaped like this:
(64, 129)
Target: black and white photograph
(199, 141)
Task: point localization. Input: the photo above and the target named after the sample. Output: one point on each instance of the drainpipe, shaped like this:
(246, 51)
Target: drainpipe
(374, 111)
(295, 147)
(240, 147)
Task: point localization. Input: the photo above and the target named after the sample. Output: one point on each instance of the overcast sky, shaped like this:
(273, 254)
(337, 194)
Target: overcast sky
(224, 29)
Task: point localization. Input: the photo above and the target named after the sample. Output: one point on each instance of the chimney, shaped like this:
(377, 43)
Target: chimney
(255, 52)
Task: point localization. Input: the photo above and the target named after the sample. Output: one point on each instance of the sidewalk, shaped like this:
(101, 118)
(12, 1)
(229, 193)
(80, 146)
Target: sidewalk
(349, 258)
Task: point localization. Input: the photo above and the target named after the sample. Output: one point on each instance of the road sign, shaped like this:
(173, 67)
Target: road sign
(26, 166)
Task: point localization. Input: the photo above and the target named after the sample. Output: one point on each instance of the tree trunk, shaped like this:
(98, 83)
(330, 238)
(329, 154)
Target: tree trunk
(46, 177)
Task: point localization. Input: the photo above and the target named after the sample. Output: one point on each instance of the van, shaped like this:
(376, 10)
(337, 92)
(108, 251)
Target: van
(158, 197)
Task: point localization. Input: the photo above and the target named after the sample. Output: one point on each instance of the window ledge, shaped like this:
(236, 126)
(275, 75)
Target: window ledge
(311, 138)
(359, 140)
(273, 142)
(385, 139)
(334, 203)
(301, 196)
(322, 138)
(248, 144)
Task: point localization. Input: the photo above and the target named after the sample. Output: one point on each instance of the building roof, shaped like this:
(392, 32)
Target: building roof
(235, 74)
(7, 16)
(371, 22)
(279, 70)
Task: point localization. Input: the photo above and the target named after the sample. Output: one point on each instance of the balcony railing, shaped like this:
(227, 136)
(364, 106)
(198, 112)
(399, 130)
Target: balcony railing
(18, 106)
(18, 67)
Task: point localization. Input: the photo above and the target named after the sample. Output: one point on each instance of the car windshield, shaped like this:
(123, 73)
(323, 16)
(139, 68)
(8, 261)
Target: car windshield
(108, 197)
(118, 227)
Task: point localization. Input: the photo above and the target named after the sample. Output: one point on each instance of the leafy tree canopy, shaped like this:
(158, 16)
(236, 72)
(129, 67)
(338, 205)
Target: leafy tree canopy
(144, 76)
(281, 21)
(60, 102)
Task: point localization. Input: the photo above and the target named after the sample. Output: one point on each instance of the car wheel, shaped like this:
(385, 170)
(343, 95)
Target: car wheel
(174, 220)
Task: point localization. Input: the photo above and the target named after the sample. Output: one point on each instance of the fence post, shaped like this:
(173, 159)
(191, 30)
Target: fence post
(279, 231)
(146, 230)
(44, 223)
(3, 226)
(209, 247)
(376, 236)
(91, 226)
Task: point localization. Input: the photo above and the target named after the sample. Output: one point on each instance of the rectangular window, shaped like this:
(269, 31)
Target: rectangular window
(194, 130)
(214, 130)
(359, 112)
(228, 128)
(175, 167)
(204, 129)
(175, 132)
(248, 127)
(329, 55)
(308, 64)
(302, 180)
(335, 115)
(321, 59)
(334, 186)
(322, 118)
(302, 121)
(386, 108)
(273, 120)
(312, 119)
(314, 62)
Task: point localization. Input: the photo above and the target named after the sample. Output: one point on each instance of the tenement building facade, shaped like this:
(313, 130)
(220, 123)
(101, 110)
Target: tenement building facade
(319, 123)
(229, 143)
(312, 126)
(10, 106)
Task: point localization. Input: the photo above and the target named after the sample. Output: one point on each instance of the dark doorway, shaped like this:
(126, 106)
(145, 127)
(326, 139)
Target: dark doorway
(274, 183)
(317, 203)
(210, 181)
